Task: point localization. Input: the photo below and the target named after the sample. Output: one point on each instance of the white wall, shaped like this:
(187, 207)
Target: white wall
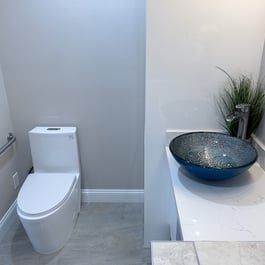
(185, 41)
(8, 158)
(79, 63)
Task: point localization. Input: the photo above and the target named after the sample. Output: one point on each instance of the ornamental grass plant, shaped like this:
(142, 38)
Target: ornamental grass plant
(242, 89)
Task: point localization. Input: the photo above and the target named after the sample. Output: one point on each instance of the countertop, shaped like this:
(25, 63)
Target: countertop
(230, 210)
(208, 253)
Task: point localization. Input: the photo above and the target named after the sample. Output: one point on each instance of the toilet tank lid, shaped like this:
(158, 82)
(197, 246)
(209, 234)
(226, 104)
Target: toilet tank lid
(42, 193)
(53, 130)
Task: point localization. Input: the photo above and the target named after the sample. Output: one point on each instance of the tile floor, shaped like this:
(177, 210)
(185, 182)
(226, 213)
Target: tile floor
(105, 233)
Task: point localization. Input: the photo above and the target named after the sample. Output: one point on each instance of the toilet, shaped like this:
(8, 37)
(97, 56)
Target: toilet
(49, 200)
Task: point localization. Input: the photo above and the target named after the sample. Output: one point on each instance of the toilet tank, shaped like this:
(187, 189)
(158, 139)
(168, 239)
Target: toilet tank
(54, 149)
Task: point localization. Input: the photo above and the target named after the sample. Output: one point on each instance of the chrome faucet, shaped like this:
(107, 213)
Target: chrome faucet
(242, 115)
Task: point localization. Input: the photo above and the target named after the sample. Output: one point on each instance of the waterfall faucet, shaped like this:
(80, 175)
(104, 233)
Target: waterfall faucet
(242, 115)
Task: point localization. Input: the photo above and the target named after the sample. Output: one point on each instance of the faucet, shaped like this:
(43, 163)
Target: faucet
(242, 115)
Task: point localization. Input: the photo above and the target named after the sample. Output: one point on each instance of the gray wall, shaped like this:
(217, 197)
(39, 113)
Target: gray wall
(8, 158)
(81, 63)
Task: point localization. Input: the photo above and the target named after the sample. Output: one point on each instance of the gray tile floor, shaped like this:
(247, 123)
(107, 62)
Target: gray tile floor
(105, 233)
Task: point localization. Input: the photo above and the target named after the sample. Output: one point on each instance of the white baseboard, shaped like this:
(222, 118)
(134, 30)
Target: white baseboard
(112, 195)
(8, 215)
(90, 195)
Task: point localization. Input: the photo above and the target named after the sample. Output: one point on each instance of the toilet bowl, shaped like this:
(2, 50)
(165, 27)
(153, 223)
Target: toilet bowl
(49, 200)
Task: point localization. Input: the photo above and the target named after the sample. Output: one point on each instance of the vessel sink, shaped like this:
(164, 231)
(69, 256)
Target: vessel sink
(212, 155)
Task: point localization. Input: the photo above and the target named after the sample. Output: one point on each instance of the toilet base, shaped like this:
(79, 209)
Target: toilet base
(49, 233)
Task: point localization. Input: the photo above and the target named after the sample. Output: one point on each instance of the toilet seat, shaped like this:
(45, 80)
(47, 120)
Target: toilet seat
(42, 193)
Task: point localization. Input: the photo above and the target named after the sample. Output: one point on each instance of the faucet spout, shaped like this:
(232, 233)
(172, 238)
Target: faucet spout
(232, 116)
(242, 115)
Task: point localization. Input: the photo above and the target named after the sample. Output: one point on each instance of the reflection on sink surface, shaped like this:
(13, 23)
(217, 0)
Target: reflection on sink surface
(212, 155)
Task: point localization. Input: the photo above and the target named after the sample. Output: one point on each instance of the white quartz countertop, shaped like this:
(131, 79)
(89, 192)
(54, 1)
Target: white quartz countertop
(230, 210)
(208, 253)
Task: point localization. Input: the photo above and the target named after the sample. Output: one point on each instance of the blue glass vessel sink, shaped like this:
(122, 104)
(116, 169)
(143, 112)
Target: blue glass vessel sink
(212, 155)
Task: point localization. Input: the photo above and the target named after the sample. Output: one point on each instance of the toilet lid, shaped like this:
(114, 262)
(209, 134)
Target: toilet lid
(41, 193)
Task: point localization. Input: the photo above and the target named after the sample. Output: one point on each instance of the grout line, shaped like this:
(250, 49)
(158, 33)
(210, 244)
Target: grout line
(196, 253)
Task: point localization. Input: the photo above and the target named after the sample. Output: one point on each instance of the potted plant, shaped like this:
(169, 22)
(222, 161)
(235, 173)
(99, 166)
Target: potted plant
(241, 90)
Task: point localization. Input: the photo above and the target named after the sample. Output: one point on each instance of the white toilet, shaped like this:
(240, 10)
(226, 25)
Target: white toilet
(49, 201)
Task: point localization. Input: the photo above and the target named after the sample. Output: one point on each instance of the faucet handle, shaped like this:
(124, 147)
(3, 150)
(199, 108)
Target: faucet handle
(243, 107)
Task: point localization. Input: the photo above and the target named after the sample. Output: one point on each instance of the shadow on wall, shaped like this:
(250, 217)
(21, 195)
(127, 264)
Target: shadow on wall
(260, 133)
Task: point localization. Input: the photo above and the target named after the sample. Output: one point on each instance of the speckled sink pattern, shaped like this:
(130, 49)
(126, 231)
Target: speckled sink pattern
(212, 155)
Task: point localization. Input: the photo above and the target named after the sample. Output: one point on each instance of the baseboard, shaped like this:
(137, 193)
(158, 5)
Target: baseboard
(112, 195)
(5, 221)
(91, 195)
